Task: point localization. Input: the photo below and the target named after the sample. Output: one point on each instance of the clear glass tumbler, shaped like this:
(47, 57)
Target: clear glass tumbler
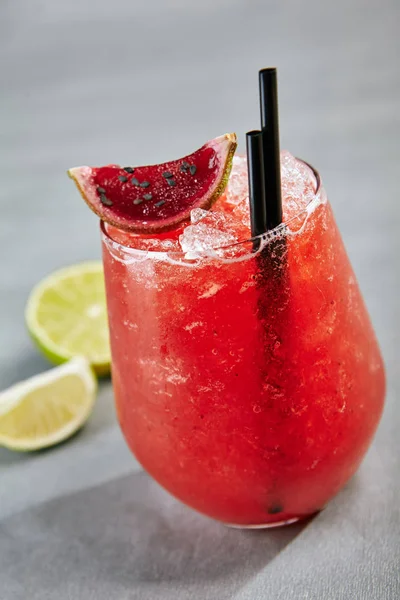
(248, 384)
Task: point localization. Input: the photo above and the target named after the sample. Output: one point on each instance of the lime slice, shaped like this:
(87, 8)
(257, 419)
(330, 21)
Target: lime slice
(47, 408)
(66, 316)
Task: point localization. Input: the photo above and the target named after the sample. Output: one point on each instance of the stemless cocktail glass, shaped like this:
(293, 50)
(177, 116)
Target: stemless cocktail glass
(248, 383)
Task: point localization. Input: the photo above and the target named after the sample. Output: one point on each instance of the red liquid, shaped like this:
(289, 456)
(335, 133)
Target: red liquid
(250, 390)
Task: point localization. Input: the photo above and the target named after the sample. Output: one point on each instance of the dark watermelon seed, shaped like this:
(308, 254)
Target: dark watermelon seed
(185, 164)
(274, 509)
(105, 201)
(101, 190)
(167, 174)
(171, 182)
(147, 196)
(160, 203)
(134, 181)
(128, 169)
(122, 178)
(144, 184)
(183, 168)
(192, 169)
(138, 201)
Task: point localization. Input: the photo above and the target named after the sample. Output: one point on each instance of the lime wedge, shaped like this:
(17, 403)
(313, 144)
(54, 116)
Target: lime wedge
(47, 408)
(66, 316)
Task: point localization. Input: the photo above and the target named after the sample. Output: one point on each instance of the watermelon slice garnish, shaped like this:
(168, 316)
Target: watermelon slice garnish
(157, 198)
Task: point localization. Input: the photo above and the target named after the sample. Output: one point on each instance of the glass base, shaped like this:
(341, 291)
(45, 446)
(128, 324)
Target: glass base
(265, 525)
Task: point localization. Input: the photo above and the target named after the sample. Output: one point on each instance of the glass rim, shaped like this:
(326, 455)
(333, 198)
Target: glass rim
(180, 255)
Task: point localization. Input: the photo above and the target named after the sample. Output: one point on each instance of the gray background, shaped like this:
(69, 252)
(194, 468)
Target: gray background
(137, 82)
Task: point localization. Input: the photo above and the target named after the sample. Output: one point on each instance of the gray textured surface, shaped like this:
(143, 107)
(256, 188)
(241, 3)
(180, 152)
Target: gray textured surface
(141, 82)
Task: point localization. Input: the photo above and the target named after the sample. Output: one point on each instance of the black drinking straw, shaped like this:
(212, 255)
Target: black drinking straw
(258, 215)
(271, 276)
(265, 200)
